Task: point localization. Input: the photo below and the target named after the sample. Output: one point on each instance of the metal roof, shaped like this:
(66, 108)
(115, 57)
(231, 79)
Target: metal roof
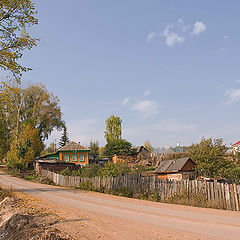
(73, 146)
(174, 165)
(237, 143)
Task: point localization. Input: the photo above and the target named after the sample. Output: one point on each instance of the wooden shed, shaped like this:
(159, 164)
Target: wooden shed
(176, 169)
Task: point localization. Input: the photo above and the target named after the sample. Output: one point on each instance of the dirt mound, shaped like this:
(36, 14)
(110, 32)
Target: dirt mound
(16, 225)
(25, 227)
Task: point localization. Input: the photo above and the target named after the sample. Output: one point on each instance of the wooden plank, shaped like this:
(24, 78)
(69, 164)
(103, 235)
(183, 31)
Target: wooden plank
(227, 196)
(236, 197)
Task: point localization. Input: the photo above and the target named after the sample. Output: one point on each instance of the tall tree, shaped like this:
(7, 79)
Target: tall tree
(64, 139)
(33, 105)
(113, 128)
(16, 16)
(25, 148)
(209, 156)
(94, 149)
(4, 136)
(148, 146)
(119, 146)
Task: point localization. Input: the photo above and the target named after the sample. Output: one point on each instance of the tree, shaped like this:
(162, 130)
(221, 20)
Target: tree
(94, 149)
(16, 16)
(148, 146)
(50, 149)
(64, 139)
(119, 146)
(113, 128)
(33, 105)
(101, 152)
(4, 136)
(209, 156)
(27, 147)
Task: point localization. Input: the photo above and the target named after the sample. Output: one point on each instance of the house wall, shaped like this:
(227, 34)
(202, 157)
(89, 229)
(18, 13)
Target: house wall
(188, 166)
(124, 159)
(54, 167)
(86, 157)
(177, 176)
(236, 149)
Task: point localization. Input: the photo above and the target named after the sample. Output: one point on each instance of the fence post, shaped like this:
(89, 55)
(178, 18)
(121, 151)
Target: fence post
(236, 197)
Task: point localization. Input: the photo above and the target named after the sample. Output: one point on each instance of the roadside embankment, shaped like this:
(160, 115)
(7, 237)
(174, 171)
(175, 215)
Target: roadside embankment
(22, 217)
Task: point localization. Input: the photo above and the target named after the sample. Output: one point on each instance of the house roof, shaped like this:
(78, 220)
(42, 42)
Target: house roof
(174, 165)
(138, 149)
(237, 143)
(73, 146)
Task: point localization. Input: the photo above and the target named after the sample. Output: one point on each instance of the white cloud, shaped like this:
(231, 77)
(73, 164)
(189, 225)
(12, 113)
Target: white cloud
(232, 95)
(177, 32)
(172, 38)
(198, 28)
(225, 37)
(146, 93)
(151, 36)
(126, 100)
(146, 108)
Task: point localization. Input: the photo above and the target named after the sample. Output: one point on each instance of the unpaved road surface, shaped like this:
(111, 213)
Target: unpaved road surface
(92, 215)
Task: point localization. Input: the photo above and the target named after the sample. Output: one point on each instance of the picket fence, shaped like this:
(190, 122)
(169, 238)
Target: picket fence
(223, 195)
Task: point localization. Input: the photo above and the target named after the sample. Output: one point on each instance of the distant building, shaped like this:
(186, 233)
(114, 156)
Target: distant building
(142, 157)
(176, 169)
(236, 147)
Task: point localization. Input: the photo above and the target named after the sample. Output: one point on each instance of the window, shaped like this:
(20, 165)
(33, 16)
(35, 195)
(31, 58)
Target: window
(66, 157)
(74, 158)
(81, 156)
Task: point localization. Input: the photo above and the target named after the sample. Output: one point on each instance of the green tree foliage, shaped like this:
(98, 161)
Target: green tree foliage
(16, 16)
(33, 105)
(64, 139)
(112, 170)
(25, 148)
(120, 147)
(148, 146)
(209, 155)
(94, 149)
(113, 128)
(94, 170)
(41, 109)
(50, 149)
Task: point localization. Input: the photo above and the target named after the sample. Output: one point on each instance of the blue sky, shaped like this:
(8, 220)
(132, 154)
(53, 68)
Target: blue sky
(169, 69)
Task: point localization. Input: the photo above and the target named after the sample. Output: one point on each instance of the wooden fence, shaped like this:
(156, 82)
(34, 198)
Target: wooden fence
(219, 195)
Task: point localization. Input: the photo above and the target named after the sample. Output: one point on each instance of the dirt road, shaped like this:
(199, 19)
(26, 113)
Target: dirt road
(93, 215)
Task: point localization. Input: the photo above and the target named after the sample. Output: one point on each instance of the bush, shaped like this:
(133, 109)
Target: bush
(112, 170)
(65, 172)
(88, 186)
(90, 171)
(141, 169)
(123, 192)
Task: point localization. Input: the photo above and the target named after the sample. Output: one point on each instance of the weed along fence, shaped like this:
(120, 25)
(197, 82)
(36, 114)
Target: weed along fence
(195, 193)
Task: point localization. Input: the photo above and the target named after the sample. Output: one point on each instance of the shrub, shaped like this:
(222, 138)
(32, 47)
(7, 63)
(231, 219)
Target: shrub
(90, 171)
(87, 186)
(123, 191)
(112, 170)
(65, 172)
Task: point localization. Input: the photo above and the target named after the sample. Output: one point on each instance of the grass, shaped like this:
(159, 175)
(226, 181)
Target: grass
(6, 192)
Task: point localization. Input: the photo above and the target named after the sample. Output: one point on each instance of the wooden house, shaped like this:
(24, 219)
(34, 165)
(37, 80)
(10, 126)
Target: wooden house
(74, 153)
(142, 156)
(71, 153)
(176, 169)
